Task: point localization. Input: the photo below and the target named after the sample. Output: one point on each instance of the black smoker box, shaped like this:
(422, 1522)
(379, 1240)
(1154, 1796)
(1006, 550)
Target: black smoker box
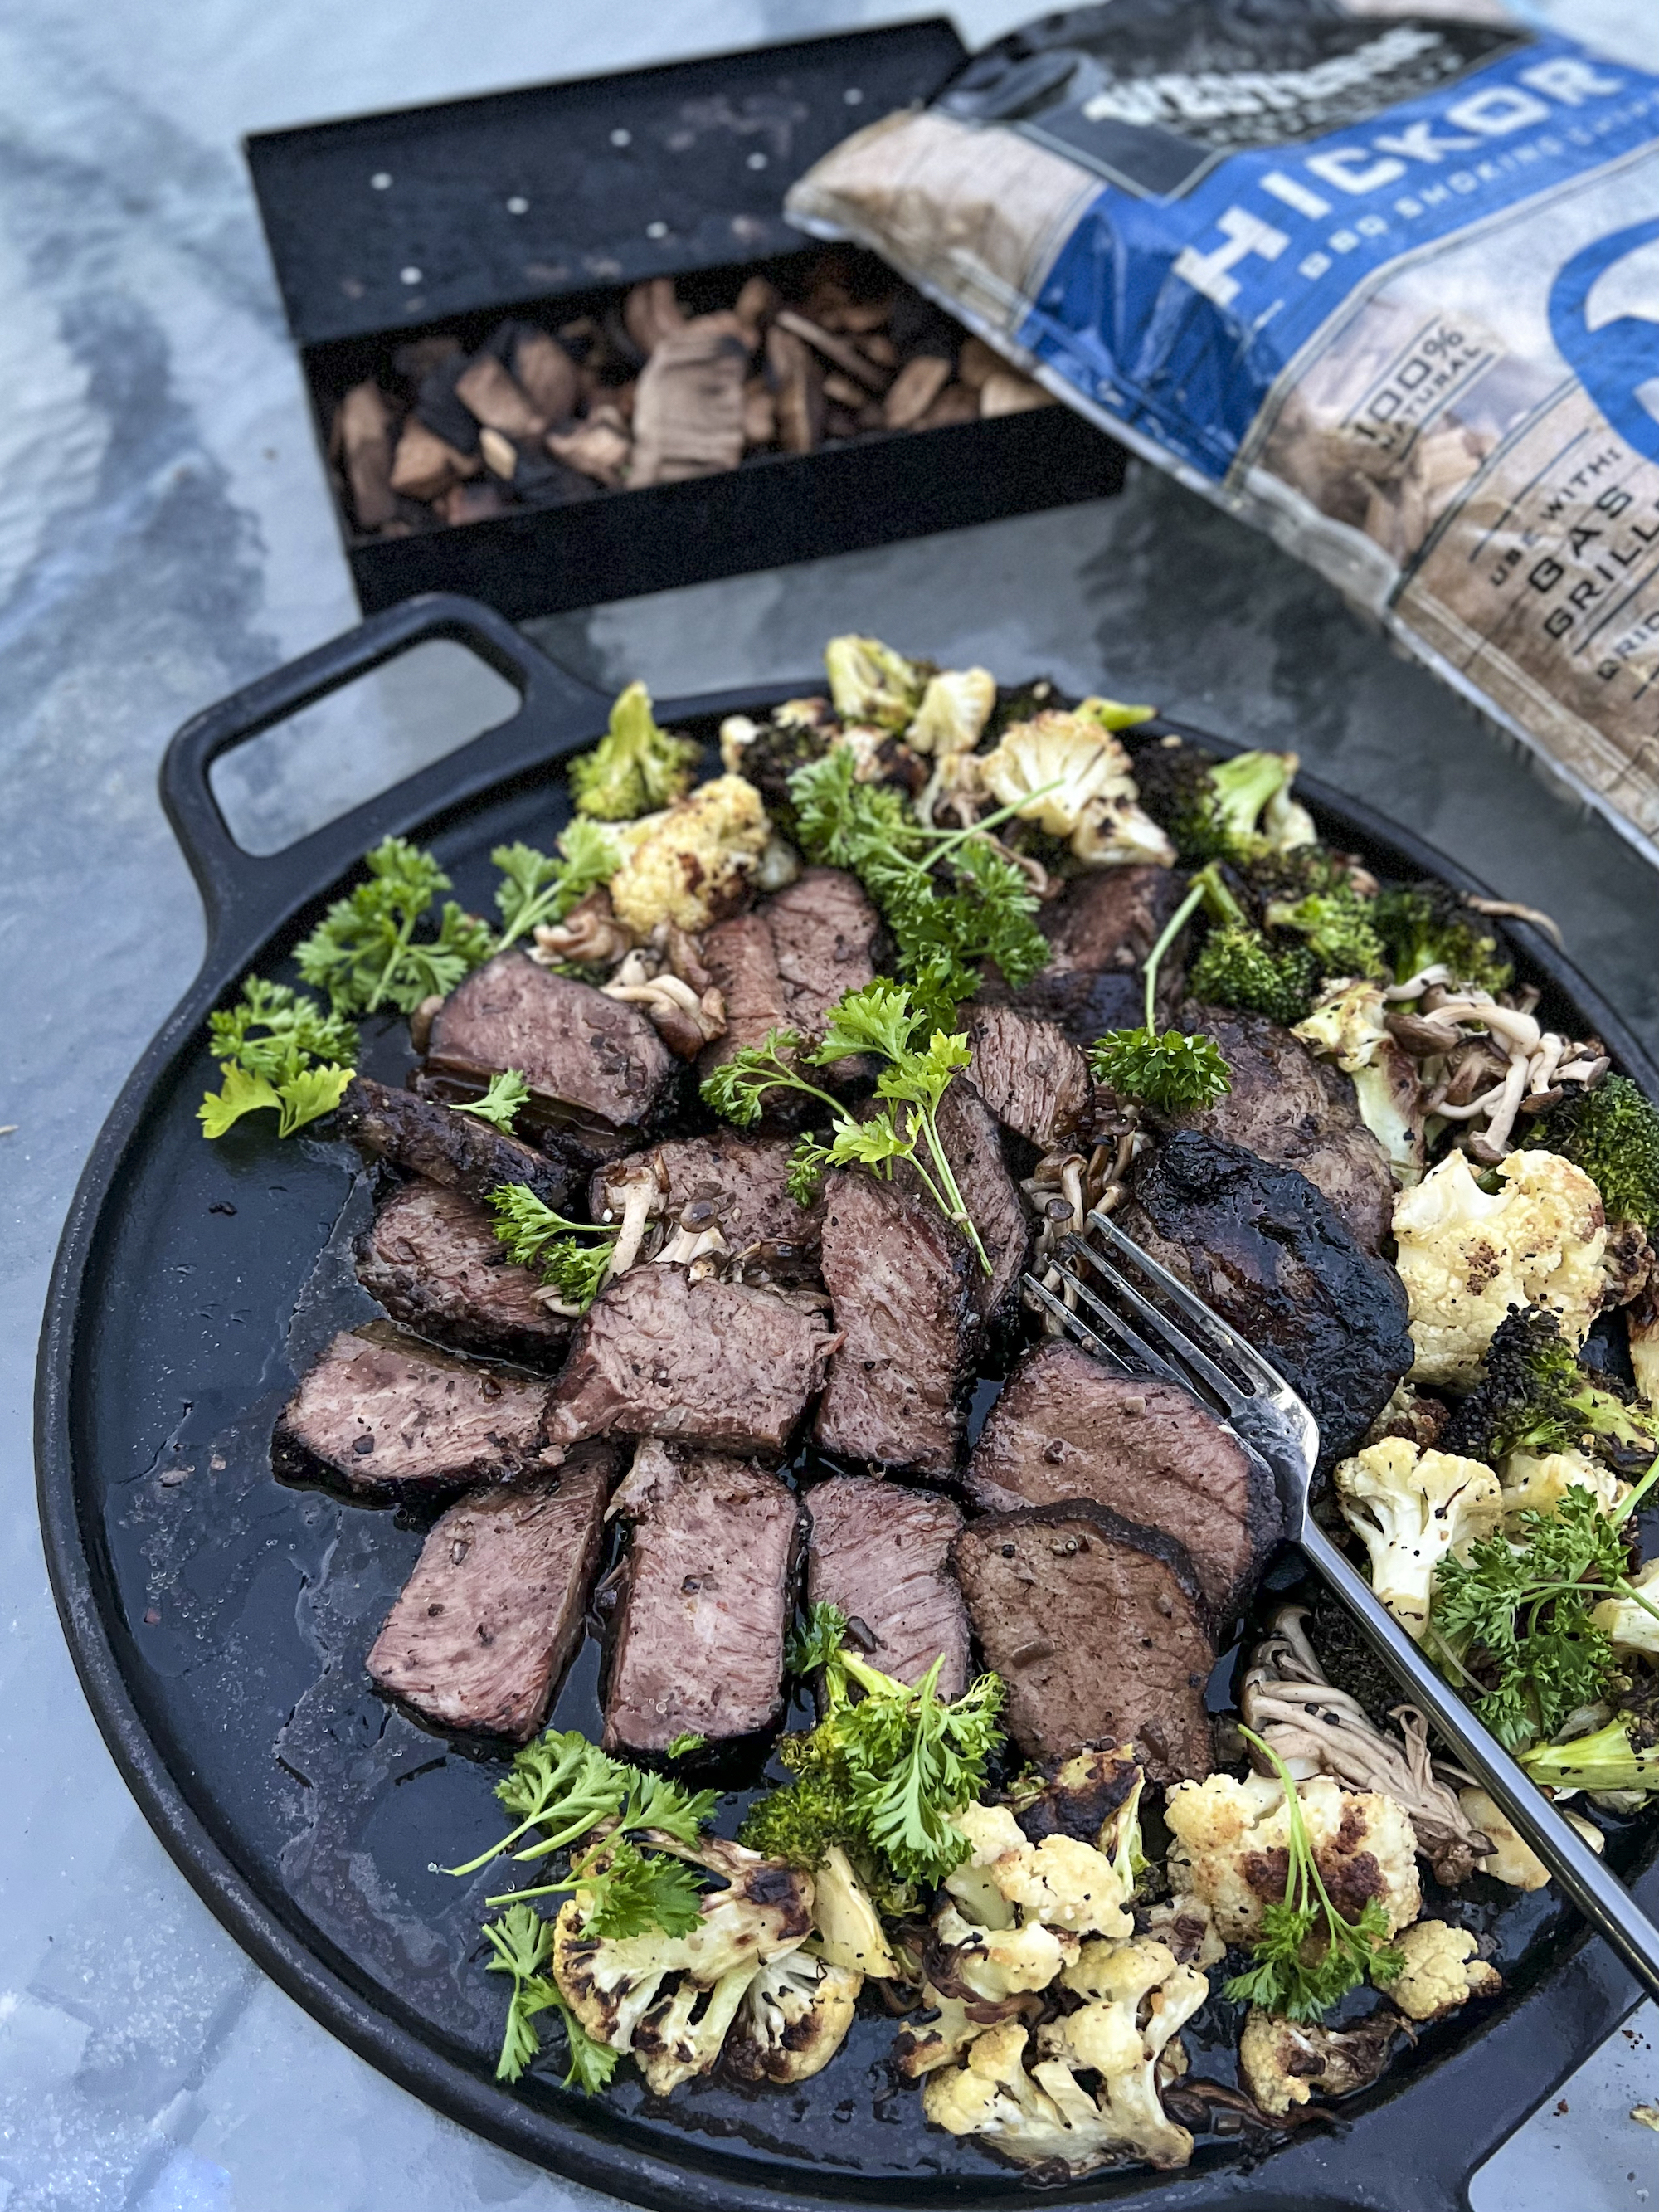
(395, 236)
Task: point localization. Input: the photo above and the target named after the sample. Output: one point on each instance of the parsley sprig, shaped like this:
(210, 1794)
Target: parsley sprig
(1307, 1955)
(502, 1098)
(523, 1944)
(1174, 1072)
(277, 1047)
(364, 951)
(539, 887)
(882, 1021)
(550, 1246)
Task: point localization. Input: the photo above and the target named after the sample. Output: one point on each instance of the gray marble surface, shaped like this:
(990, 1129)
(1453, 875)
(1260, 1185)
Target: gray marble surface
(165, 536)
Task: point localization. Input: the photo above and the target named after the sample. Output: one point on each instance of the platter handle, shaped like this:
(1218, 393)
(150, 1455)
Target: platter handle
(247, 897)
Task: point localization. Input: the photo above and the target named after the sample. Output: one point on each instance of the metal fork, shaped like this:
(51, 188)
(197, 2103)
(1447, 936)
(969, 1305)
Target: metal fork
(1254, 1400)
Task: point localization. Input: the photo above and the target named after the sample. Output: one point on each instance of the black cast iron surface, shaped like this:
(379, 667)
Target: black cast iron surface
(218, 1620)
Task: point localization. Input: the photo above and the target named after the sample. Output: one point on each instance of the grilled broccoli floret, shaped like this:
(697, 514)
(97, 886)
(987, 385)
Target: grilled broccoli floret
(1338, 926)
(1238, 967)
(1213, 809)
(1424, 924)
(799, 1822)
(1613, 1134)
(635, 767)
(1535, 1397)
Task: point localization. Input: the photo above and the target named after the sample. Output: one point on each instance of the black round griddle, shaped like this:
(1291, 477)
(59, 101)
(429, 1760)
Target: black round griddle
(218, 1620)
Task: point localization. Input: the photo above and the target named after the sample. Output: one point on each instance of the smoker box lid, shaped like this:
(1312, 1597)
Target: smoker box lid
(382, 220)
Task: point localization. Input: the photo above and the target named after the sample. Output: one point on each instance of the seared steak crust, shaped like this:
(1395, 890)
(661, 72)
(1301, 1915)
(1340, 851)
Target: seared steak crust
(785, 963)
(1101, 927)
(744, 1178)
(426, 1138)
(485, 1626)
(1030, 1074)
(882, 1554)
(391, 1417)
(1067, 1427)
(903, 1283)
(1259, 1244)
(432, 1258)
(706, 1600)
(1097, 1628)
(707, 1363)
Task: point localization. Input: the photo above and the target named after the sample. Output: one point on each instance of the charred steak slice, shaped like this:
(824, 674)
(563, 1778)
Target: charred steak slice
(424, 1137)
(392, 1417)
(1101, 927)
(823, 932)
(1299, 1112)
(903, 1284)
(882, 1554)
(1274, 1257)
(1097, 1628)
(744, 1178)
(707, 1363)
(433, 1260)
(483, 1629)
(1067, 1427)
(1030, 1074)
(706, 1599)
(597, 1064)
(743, 963)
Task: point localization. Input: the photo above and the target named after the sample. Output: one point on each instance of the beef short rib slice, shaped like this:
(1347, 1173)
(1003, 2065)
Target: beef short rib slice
(392, 1417)
(882, 1553)
(706, 1363)
(1101, 927)
(1067, 1427)
(1032, 1077)
(483, 1629)
(707, 1596)
(424, 1137)
(786, 963)
(1275, 1259)
(973, 1148)
(596, 1068)
(432, 1258)
(1097, 1628)
(745, 1180)
(902, 1282)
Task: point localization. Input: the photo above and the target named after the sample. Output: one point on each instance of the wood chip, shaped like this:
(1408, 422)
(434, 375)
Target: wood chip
(760, 414)
(1007, 393)
(474, 502)
(364, 427)
(870, 315)
(756, 304)
(879, 349)
(651, 313)
(914, 389)
(598, 446)
(842, 390)
(425, 466)
(798, 393)
(977, 362)
(844, 354)
(485, 390)
(956, 404)
(688, 409)
(501, 455)
(421, 356)
(547, 374)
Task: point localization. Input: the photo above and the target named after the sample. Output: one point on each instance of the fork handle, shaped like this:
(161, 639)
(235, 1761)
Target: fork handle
(1593, 1887)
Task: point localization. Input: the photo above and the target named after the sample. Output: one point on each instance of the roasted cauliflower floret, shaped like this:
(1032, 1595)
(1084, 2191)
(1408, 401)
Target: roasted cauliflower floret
(1631, 1626)
(1348, 1025)
(1411, 1510)
(1136, 1999)
(1512, 1860)
(945, 2028)
(871, 683)
(847, 1929)
(1066, 772)
(614, 1984)
(1543, 1479)
(1042, 2118)
(1286, 2062)
(1465, 1257)
(955, 709)
(1441, 1971)
(691, 863)
(1230, 1847)
(961, 1959)
(1060, 1882)
(794, 2018)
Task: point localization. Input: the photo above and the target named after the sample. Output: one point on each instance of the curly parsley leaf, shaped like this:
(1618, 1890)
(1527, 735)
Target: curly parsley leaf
(737, 1088)
(499, 1105)
(537, 888)
(523, 1944)
(1173, 1073)
(364, 952)
(550, 1246)
(269, 1045)
(621, 1892)
(682, 1745)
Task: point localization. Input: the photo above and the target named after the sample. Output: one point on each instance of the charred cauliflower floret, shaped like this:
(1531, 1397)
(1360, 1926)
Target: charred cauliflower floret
(1512, 1860)
(1287, 2062)
(693, 862)
(962, 1959)
(846, 1928)
(1060, 1882)
(1466, 1257)
(614, 1985)
(1040, 2117)
(955, 709)
(1349, 1025)
(793, 2018)
(1136, 1999)
(1441, 1971)
(871, 683)
(1411, 1510)
(1543, 1479)
(1231, 1846)
(1065, 771)
(1631, 1626)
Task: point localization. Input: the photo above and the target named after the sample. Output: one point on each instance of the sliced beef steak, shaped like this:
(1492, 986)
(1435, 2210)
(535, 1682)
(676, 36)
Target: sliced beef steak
(1111, 918)
(707, 1596)
(424, 1137)
(1067, 1427)
(1287, 1107)
(744, 1178)
(903, 1284)
(1097, 1628)
(433, 1260)
(1274, 1257)
(882, 1554)
(973, 1149)
(707, 1363)
(483, 1629)
(1032, 1077)
(784, 965)
(391, 1417)
(743, 962)
(596, 1065)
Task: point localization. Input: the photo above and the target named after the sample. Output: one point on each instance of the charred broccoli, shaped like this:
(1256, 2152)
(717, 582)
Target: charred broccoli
(1535, 1397)
(1338, 926)
(1238, 967)
(1213, 809)
(1427, 925)
(635, 768)
(1613, 1134)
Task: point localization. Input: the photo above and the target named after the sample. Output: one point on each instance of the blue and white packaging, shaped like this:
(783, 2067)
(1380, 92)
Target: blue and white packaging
(1388, 288)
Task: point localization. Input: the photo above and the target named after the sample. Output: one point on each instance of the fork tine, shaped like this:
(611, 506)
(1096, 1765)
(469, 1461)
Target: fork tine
(1076, 1326)
(1225, 1386)
(1152, 1361)
(1219, 1332)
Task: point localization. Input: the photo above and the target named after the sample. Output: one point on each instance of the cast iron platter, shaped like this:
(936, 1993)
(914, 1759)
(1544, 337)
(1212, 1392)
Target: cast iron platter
(218, 1620)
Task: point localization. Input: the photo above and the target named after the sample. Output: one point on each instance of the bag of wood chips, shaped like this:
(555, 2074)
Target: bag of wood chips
(1387, 287)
